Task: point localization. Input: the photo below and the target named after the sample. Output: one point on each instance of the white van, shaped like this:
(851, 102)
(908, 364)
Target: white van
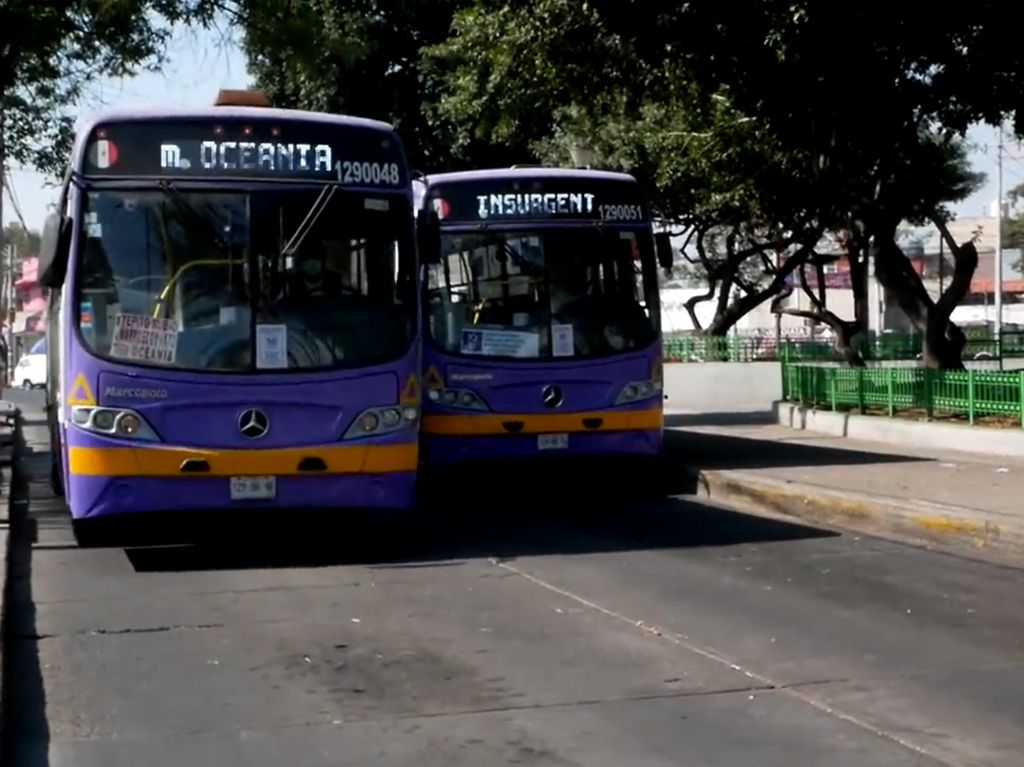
(30, 371)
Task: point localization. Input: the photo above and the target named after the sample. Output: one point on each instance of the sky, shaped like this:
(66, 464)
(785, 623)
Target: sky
(202, 62)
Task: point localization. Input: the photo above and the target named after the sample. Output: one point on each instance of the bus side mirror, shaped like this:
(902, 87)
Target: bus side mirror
(54, 250)
(428, 233)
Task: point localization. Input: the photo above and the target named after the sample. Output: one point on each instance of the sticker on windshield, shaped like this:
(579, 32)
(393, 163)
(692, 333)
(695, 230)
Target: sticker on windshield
(95, 231)
(562, 341)
(144, 339)
(271, 346)
(500, 343)
(85, 314)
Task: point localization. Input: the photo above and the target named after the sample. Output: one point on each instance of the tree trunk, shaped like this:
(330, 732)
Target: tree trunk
(728, 314)
(844, 344)
(943, 341)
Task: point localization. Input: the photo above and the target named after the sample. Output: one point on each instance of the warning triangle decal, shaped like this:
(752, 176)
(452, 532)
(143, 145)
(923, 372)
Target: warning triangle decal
(433, 380)
(80, 393)
(411, 392)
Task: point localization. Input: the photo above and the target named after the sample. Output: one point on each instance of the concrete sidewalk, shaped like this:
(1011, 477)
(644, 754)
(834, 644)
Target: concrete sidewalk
(958, 502)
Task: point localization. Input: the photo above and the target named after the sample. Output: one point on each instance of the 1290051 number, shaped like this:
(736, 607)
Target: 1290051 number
(355, 172)
(621, 212)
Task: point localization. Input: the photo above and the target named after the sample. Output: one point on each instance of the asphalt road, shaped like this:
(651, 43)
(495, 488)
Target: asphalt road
(511, 633)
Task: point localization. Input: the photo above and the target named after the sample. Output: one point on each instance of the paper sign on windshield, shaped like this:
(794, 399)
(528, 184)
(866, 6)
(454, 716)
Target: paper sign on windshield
(144, 339)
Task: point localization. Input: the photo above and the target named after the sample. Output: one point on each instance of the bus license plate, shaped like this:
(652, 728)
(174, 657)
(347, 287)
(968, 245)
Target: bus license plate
(253, 488)
(552, 441)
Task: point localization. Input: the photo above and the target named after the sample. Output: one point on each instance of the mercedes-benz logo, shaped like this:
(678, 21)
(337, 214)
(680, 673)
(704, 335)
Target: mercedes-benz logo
(253, 423)
(551, 396)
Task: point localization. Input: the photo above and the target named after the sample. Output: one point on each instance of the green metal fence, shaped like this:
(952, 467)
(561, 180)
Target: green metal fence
(889, 346)
(975, 395)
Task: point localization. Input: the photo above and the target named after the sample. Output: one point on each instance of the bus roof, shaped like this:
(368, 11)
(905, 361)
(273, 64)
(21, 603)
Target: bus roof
(582, 174)
(227, 112)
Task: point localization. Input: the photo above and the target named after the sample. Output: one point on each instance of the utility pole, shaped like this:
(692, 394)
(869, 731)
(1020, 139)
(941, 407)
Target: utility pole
(778, 315)
(998, 277)
(9, 305)
(8, 367)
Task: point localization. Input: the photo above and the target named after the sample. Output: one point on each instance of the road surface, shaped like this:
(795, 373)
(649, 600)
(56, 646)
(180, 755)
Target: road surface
(619, 633)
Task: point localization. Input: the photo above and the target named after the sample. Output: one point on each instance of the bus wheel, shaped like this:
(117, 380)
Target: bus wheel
(26, 384)
(88, 535)
(56, 480)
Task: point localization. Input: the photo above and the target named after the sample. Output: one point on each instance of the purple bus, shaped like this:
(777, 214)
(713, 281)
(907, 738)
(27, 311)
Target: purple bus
(542, 321)
(234, 317)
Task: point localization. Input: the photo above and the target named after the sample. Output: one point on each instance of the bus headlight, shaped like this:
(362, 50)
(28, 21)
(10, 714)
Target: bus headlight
(381, 420)
(637, 391)
(465, 399)
(113, 422)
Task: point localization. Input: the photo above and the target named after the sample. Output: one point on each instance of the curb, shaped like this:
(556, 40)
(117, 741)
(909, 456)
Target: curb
(980, 534)
(8, 446)
(929, 435)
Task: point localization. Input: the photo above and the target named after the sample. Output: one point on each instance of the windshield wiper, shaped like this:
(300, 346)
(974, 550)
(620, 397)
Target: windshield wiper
(314, 213)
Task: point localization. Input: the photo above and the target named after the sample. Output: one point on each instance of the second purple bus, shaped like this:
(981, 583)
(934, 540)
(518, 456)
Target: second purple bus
(233, 319)
(542, 320)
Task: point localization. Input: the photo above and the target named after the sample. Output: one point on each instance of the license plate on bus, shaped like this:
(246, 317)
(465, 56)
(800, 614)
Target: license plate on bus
(253, 488)
(552, 441)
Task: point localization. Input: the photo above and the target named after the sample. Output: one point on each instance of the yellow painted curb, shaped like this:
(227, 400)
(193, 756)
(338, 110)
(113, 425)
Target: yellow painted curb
(956, 529)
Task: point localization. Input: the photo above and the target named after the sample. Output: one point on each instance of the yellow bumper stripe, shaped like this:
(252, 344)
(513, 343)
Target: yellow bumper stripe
(162, 461)
(532, 423)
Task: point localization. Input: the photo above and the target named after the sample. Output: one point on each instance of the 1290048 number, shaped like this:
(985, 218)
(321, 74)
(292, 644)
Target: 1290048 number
(355, 172)
(621, 212)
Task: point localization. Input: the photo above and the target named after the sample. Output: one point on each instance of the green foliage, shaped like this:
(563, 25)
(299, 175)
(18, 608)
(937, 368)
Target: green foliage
(1013, 226)
(25, 241)
(358, 57)
(721, 111)
(49, 52)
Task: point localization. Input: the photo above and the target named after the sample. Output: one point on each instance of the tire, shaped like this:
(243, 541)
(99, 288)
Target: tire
(56, 476)
(88, 535)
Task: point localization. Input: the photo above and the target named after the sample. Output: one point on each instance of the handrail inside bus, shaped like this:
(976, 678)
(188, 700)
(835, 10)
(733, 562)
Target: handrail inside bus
(160, 299)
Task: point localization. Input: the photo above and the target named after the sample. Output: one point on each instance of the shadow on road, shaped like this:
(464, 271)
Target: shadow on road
(502, 512)
(703, 451)
(26, 732)
(516, 525)
(725, 418)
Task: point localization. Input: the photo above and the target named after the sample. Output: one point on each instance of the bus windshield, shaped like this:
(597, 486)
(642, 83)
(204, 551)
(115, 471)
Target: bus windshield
(236, 281)
(541, 293)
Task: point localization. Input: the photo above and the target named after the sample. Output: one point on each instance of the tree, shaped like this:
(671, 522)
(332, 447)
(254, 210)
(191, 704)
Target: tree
(853, 137)
(361, 57)
(51, 49)
(884, 133)
(556, 80)
(25, 241)
(1013, 225)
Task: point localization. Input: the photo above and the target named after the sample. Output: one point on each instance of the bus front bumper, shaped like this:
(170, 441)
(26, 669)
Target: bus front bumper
(445, 449)
(106, 481)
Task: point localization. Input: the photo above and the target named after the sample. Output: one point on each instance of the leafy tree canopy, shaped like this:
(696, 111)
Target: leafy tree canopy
(770, 113)
(360, 57)
(51, 49)
(26, 241)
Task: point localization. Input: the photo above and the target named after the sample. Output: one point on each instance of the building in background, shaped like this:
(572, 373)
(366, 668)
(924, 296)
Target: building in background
(29, 306)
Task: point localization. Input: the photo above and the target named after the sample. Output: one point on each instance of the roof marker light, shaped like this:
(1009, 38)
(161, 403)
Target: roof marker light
(241, 98)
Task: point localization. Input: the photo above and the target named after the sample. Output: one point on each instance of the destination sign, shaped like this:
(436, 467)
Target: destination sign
(506, 199)
(253, 149)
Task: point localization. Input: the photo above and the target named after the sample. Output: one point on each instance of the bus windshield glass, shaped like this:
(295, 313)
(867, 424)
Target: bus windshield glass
(541, 293)
(233, 281)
